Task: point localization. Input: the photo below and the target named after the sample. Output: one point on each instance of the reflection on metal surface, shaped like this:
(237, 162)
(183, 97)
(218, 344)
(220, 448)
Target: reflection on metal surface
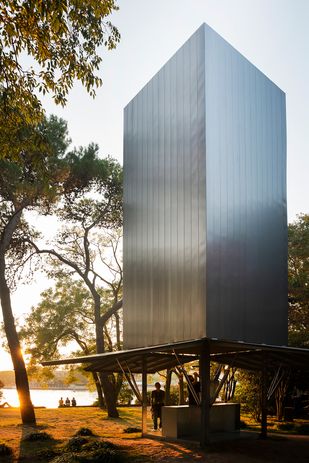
(205, 234)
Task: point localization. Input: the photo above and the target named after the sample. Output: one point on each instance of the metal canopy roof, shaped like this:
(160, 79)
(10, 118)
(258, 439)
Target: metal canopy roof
(239, 354)
(254, 359)
(155, 362)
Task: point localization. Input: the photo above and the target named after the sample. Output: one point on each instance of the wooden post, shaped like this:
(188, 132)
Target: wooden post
(144, 395)
(205, 390)
(263, 434)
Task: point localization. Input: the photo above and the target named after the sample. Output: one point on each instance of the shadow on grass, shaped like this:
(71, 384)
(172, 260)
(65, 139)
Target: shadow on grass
(127, 417)
(7, 458)
(34, 451)
(275, 448)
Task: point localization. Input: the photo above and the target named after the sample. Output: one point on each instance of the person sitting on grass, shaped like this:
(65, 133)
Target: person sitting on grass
(61, 403)
(73, 402)
(5, 404)
(157, 402)
(67, 402)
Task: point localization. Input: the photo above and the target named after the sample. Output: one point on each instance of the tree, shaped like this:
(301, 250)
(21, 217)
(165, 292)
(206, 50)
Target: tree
(298, 271)
(61, 40)
(22, 187)
(248, 392)
(79, 249)
(64, 316)
(42, 176)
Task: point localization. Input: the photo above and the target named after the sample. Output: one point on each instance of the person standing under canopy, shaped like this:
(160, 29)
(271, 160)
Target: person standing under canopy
(157, 402)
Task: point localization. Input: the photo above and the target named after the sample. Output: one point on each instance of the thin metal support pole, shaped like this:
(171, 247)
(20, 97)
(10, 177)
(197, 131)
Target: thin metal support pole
(263, 434)
(205, 396)
(144, 395)
(132, 384)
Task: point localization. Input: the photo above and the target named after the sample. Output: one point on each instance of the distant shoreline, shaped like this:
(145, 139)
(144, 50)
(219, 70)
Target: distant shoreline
(54, 388)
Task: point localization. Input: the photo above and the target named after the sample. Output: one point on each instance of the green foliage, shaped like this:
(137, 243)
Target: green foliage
(248, 393)
(63, 315)
(28, 182)
(125, 395)
(61, 40)
(298, 267)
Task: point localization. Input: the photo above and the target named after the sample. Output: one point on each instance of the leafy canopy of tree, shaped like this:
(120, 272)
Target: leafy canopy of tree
(64, 315)
(298, 267)
(60, 42)
(65, 318)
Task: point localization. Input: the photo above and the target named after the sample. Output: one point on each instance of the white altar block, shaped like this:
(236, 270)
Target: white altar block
(184, 421)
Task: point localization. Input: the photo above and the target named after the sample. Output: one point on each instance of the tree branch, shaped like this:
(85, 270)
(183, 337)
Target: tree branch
(52, 252)
(111, 311)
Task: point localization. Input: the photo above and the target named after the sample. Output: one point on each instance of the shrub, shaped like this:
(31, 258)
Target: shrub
(46, 454)
(5, 450)
(65, 458)
(37, 436)
(242, 424)
(303, 429)
(99, 445)
(286, 426)
(75, 444)
(84, 432)
(125, 395)
(248, 393)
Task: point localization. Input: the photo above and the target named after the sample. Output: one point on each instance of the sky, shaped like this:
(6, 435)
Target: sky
(272, 34)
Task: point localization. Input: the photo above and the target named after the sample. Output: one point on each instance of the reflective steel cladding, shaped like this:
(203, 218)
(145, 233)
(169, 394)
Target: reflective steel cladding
(205, 227)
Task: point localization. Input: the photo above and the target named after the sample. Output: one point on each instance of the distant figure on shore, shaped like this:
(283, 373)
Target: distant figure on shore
(67, 402)
(5, 404)
(73, 402)
(61, 403)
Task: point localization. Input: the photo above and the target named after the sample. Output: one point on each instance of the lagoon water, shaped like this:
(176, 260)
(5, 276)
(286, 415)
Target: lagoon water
(49, 398)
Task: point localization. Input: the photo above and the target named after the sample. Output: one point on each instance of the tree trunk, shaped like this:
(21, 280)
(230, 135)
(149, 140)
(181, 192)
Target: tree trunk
(107, 386)
(168, 380)
(280, 396)
(109, 395)
(99, 389)
(181, 390)
(21, 377)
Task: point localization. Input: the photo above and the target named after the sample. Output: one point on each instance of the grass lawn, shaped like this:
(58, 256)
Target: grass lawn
(64, 422)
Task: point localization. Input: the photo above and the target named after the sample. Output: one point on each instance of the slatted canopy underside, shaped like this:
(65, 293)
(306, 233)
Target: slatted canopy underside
(238, 354)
